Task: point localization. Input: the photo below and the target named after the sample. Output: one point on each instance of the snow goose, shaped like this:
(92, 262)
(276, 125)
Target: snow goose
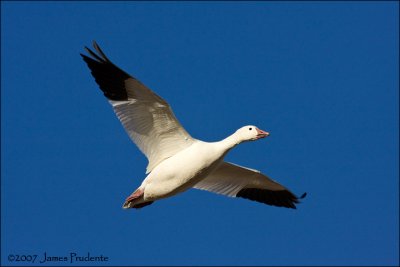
(177, 161)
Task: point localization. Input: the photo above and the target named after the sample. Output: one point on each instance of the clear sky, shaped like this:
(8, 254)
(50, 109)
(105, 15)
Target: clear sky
(321, 77)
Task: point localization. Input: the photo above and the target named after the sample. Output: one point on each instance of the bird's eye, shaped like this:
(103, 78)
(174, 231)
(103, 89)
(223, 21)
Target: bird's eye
(250, 129)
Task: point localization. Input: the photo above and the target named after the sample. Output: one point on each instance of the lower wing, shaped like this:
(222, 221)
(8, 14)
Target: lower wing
(236, 181)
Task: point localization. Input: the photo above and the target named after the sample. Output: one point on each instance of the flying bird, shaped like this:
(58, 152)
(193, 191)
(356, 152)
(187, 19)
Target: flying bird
(177, 161)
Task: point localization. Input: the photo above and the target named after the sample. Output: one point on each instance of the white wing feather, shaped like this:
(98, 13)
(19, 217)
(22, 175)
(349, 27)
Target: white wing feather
(153, 127)
(228, 179)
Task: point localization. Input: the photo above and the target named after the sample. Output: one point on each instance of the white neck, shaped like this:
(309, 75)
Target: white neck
(230, 142)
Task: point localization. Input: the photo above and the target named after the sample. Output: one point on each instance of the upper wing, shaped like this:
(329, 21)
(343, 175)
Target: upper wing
(236, 181)
(146, 117)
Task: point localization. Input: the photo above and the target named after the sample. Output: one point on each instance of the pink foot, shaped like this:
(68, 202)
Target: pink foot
(138, 193)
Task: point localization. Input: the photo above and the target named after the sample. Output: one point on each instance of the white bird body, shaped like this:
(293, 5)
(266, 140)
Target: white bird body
(177, 161)
(182, 171)
(187, 168)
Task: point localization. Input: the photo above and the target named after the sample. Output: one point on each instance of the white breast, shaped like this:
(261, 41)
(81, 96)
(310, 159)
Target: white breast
(183, 170)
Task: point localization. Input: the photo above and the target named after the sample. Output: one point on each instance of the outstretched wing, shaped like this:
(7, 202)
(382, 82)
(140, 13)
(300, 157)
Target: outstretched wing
(236, 181)
(147, 118)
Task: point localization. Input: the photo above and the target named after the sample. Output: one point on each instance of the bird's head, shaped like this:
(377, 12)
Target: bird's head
(250, 133)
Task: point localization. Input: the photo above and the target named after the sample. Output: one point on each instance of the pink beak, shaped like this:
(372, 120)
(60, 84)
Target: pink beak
(261, 133)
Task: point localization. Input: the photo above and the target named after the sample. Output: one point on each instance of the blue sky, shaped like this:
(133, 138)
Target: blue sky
(321, 77)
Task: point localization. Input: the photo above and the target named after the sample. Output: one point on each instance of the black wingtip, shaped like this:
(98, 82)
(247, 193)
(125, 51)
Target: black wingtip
(98, 49)
(303, 195)
(94, 55)
(280, 198)
(86, 58)
(109, 77)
